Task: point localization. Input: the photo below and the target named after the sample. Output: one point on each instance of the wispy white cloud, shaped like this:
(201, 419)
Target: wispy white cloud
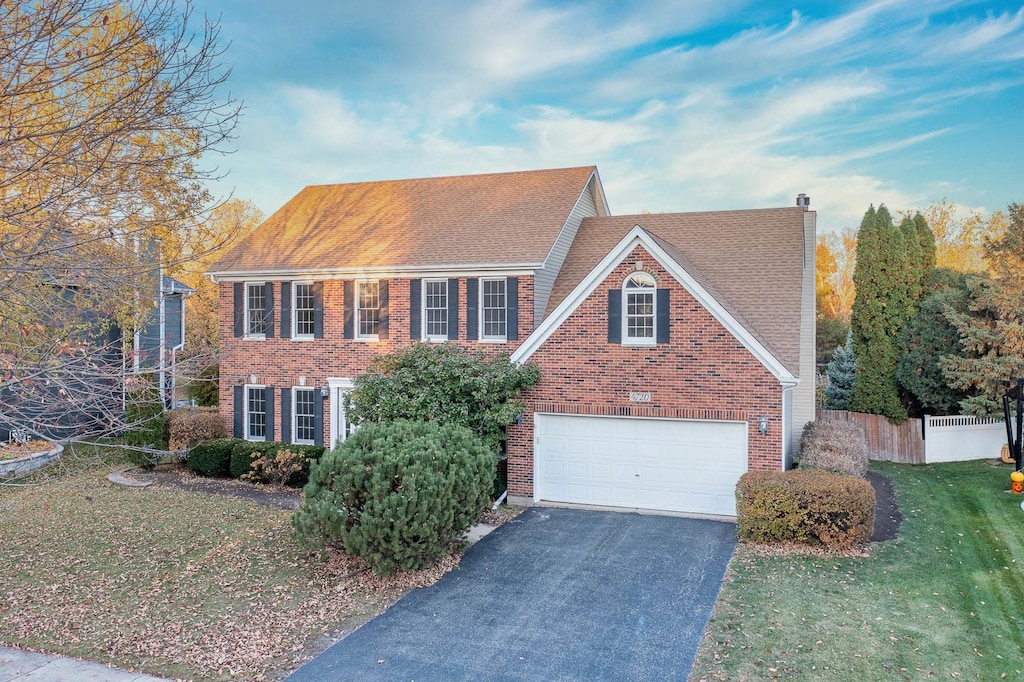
(684, 106)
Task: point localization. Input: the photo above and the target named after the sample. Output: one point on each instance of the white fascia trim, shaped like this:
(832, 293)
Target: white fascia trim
(566, 221)
(639, 237)
(468, 270)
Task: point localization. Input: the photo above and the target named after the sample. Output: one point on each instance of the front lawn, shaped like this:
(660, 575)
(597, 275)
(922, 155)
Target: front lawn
(174, 583)
(945, 600)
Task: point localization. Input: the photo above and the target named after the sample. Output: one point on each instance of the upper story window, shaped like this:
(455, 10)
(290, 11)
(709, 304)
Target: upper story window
(303, 416)
(368, 309)
(255, 309)
(255, 413)
(493, 311)
(435, 309)
(303, 306)
(639, 299)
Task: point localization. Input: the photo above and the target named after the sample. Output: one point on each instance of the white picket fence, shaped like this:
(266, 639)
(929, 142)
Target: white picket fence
(959, 438)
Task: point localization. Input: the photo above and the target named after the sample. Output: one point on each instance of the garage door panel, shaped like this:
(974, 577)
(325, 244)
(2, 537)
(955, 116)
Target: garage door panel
(676, 465)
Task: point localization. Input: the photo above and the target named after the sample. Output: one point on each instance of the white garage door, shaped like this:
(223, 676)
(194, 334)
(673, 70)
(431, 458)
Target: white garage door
(668, 464)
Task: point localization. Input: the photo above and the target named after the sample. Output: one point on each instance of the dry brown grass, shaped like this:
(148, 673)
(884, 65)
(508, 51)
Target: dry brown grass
(175, 583)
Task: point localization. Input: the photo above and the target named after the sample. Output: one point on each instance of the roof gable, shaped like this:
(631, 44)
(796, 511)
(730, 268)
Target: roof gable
(509, 219)
(746, 267)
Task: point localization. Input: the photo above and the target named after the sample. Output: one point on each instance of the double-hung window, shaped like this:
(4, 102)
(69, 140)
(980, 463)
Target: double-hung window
(638, 321)
(255, 309)
(435, 309)
(368, 309)
(493, 311)
(303, 416)
(255, 413)
(303, 310)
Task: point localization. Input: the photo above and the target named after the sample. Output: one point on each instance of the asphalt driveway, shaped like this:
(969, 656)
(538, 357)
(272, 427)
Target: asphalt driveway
(556, 594)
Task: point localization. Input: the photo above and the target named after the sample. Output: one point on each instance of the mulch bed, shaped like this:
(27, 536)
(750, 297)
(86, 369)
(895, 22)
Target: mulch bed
(887, 512)
(179, 478)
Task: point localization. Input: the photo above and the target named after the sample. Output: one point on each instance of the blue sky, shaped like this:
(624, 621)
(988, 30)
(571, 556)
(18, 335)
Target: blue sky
(696, 105)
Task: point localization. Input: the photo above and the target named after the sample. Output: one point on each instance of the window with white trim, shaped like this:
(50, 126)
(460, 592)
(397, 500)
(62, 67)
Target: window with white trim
(493, 311)
(303, 416)
(435, 309)
(255, 309)
(368, 309)
(638, 302)
(302, 310)
(255, 413)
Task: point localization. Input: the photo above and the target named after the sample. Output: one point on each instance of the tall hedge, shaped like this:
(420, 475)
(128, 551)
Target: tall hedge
(399, 494)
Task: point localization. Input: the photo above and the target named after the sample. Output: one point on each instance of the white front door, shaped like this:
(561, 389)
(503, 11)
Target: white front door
(665, 464)
(340, 427)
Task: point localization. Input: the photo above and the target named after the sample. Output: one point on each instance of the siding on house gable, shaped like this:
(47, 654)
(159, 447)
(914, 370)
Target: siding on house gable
(586, 206)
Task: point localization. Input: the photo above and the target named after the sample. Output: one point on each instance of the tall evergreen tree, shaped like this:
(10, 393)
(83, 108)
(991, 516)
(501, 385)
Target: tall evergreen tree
(992, 332)
(841, 370)
(915, 267)
(926, 238)
(879, 313)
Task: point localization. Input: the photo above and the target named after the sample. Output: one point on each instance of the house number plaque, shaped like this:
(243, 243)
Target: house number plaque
(639, 396)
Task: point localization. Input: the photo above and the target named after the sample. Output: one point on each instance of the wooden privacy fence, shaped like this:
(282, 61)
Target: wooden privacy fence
(886, 441)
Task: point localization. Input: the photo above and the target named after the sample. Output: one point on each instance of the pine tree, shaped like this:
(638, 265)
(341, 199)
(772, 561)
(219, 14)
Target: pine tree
(841, 370)
(992, 331)
(879, 313)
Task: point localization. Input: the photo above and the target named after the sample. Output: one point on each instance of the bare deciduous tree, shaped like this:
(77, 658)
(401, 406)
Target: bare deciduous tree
(108, 112)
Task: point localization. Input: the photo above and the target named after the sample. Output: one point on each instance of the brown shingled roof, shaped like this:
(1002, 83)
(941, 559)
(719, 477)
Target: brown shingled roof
(498, 218)
(750, 261)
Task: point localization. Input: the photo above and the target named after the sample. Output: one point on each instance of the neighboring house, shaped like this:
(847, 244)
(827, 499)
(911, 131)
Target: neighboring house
(157, 343)
(676, 350)
(83, 395)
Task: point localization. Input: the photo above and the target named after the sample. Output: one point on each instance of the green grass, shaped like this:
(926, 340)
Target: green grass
(177, 584)
(945, 600)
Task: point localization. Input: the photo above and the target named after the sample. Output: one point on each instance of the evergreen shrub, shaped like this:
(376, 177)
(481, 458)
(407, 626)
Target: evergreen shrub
(211, 458)
(398, 494)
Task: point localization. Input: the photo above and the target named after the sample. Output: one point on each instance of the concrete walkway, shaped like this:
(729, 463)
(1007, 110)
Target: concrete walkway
(29, 666)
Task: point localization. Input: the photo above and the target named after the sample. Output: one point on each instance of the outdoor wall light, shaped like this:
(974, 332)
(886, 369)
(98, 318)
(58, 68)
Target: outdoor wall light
(518, 419)
(762, 425)
(325, 391)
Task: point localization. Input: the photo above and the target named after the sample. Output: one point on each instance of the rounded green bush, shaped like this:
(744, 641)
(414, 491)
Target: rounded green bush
(398, 494)
(212, 457)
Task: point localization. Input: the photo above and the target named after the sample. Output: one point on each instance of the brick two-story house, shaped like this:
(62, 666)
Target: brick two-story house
(676, 350)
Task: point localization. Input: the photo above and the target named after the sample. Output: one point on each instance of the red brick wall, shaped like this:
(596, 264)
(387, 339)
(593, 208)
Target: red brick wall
(702, 373)
(280, 362)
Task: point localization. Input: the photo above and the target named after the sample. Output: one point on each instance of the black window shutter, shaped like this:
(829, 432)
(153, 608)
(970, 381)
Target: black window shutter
(382, 290)
(348, 290)
(512, 308)
(286, 310)
(239, 308)
(415, 289)
(268, 289)
(286, 415)
(318, 418)
(615, 316)
(268, 396)
(318, 310)
(453, 309)
(472, 310)
(662, 323)
(239, 411)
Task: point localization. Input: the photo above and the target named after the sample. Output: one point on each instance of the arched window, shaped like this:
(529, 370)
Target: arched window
(638, 320)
